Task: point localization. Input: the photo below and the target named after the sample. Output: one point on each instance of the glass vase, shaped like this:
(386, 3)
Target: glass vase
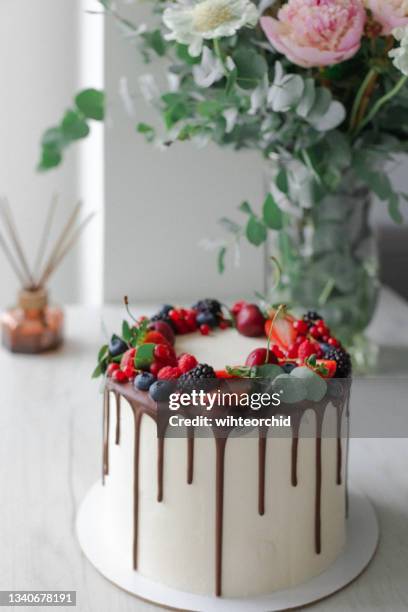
(329, 259)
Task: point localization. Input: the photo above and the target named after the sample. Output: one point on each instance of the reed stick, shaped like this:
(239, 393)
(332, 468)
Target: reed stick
(42, 245)
(68, 246)
(10, 257)
(59, 244)
(9, 221)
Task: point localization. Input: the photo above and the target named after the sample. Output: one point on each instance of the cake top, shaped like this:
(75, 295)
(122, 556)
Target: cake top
(210, 340)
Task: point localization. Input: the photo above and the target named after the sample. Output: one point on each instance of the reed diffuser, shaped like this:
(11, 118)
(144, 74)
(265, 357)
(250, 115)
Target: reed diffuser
(33, 326)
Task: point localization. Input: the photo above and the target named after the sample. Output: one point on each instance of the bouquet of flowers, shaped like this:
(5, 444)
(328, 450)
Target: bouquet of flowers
(319, 88)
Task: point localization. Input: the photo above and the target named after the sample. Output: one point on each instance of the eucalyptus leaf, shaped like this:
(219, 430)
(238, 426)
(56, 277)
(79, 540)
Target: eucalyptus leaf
(272, 214)
(316, 387)
(256, 231)
(91, 102)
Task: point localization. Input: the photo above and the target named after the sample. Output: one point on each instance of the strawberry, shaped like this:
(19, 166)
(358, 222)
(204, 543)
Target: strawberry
(223, 374)
(169, 373)
(283, 332)
(187, 362)
(326, 368)
(128, 359)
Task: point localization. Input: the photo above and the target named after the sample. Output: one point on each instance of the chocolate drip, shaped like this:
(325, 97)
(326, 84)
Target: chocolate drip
(318, 492)
(261, 469)
(219, 510)
(138, 417)
(160, 460)
(295, 448)
(117, 433)
(190, 454)
(105, 435)
(339, 448)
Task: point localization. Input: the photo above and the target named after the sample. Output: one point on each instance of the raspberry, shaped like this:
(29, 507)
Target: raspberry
(187, 362)
(130, 372)
(162, 352)
(277, 351)
(293, 351)
(301, 326)
(169, 373)
(307, 348)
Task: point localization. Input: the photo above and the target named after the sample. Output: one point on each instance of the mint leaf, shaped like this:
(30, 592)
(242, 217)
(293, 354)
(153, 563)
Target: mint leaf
(144, 355)
(126, 332)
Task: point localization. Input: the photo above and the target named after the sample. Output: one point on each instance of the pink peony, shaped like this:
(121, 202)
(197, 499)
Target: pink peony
(389, 13)
(317, 32)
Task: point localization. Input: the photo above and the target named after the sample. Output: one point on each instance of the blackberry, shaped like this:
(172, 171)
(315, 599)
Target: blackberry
(310, 317)
(343, 360)
(198, 377)
(209, 305)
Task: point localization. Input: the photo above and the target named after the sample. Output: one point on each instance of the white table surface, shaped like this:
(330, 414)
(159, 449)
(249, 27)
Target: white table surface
(50, 452)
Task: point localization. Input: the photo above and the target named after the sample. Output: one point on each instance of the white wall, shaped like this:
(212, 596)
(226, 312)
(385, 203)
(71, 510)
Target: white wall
(159, 205)
(38, 68)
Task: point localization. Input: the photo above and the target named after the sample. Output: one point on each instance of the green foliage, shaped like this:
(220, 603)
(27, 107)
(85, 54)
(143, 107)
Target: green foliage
(89, 104)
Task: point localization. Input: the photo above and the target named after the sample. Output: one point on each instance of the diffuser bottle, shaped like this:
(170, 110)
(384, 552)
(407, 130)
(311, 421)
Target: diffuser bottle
(32, 326)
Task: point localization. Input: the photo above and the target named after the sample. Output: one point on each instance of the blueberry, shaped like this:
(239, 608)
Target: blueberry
(206, 317)
(288, 367)
(160, 390)
(117, 346)
(144, 381)
(325, 347)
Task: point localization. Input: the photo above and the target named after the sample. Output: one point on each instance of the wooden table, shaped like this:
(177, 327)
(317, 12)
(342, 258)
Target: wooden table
(50, 452)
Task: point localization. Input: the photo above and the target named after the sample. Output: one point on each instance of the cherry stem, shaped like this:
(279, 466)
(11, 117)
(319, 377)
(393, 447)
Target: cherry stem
(126, 302)
(280, 309)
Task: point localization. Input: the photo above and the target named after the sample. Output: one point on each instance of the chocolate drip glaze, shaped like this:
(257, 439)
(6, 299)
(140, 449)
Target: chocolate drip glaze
(295, 447)
(190, 454)
(261, 469)
(117, 433)
(220, 444)
(318, 492)
(141, 404)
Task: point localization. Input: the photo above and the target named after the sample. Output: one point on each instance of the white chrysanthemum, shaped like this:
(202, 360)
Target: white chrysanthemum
(400, 54)
(192, 22)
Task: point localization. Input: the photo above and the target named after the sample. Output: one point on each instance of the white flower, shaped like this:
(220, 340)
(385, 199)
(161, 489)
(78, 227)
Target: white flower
(209, 70)
(230, 115)
(192, 22)
(400, 54)
(148, 88)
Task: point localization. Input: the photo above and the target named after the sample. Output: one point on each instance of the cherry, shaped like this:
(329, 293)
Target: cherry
(204, 329)
(257, 357)
(164, 329)
(250, 321)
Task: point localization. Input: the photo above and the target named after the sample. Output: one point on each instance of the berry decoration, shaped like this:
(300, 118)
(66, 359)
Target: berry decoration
(343, 360)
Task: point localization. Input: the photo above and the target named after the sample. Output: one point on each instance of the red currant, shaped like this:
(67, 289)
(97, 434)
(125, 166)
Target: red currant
(333, 342)
(223, 324)
(300, 326)
(119, 376)
(314, 331)
(204, 329)
(174, 315)
(112, 367)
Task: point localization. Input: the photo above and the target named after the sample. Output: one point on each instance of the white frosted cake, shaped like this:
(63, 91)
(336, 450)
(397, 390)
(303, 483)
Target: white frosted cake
(234, 515)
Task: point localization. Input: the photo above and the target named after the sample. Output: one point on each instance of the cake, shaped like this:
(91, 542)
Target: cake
(239, 513)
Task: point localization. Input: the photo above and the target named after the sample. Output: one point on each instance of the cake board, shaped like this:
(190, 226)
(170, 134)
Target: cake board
(361, 544)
